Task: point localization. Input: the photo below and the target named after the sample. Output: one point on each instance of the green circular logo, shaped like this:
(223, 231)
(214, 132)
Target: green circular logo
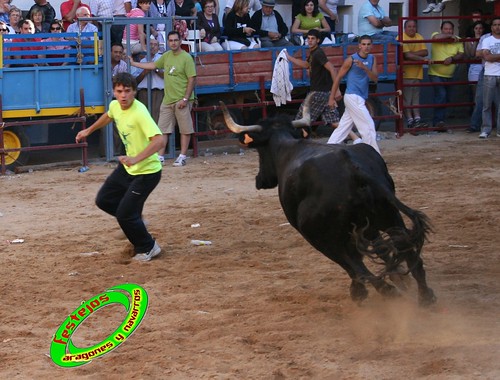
(62, 350)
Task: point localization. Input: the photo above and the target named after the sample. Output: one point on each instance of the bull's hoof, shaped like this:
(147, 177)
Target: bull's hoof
(426, 298)
(358, 292)
(389, 291)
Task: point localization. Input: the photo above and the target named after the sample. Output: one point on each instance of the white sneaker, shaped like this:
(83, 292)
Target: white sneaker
(484, 135)
(430, 8)
(439, 8)
(155, 251)
(180, 161)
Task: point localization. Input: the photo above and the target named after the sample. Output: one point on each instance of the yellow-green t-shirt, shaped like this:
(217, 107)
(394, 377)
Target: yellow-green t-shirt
(439, 52)
(309, 23)
(413, 71)
(136, 127)
(177, 69)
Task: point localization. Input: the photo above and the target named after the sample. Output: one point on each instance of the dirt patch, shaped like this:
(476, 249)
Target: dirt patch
(259, 303)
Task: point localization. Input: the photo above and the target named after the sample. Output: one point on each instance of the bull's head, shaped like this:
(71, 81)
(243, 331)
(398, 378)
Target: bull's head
(245, 131)
(260, 136)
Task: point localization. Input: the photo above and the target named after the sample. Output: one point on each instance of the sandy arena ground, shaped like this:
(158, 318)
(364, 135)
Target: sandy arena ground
(259, 303)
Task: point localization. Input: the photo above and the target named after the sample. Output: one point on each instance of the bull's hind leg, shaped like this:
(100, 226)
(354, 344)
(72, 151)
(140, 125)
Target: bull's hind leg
(355, 259)
(357, 289)
(426, 295)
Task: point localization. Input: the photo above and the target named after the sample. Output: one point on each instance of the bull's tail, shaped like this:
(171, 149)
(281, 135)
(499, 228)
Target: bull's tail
(394, 244)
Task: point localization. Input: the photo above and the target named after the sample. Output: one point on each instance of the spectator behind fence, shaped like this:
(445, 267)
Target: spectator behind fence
(36, 15)
(27, 27)
(372, 19)
(329, 9)
(269, 25)
(49, 13)
(82, 26)
(142, 77)
(180, 79)
(311, 18)
(15, 15)
(4, 30)
(118, 65)
(441, 73)
(208, 24)
(56, 30)
(470, 48)
(476, 119)
(137, 33)
(413, 50)
(237, 27)
(68, 11)
(491, 80)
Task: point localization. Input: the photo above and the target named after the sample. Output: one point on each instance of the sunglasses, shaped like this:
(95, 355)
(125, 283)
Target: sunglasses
(4, 30)
(56, 28)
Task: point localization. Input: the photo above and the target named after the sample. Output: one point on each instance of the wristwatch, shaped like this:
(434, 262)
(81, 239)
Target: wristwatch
(185, 99)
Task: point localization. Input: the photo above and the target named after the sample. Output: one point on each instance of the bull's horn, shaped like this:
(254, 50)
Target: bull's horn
(233, 126)
(306, 114)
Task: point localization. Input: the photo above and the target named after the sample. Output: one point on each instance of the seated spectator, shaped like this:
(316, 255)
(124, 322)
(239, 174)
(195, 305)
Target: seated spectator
(237, 27)
(68, 11)
(161, 8)
(15, 15)
(253, 5)
(55, 29)
(329, 9)
(372, 20)
(27, 27)
(477, 15)
(4, 30)
(49, 13)
(208, 24)
(311, 18)
(137, 35)
(36, 15)
(269, 25)
(4, 10)
(81, 26)
(186, 8)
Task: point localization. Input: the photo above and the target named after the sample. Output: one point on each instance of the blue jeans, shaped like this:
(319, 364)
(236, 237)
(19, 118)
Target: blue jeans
(123, 196)
(476, 120)
(441, 96)
(491, 88)
(386, 35)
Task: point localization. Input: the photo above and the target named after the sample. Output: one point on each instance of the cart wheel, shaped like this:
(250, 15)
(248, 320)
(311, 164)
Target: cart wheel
(15, 138)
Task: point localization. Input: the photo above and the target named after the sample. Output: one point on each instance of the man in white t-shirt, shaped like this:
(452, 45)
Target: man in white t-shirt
(491, 79)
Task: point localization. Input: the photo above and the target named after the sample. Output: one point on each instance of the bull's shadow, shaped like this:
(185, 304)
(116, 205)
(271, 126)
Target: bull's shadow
(342, 200)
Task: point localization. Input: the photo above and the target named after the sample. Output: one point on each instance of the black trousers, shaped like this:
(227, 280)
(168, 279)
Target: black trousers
(123, 196)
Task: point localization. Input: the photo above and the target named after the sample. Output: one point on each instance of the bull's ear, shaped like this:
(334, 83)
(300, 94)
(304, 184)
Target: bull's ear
(247, 140)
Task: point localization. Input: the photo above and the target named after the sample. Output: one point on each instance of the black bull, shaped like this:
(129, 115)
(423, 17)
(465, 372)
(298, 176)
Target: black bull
(342, 200)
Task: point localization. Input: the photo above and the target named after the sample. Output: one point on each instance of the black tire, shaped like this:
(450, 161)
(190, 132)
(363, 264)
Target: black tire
(14, 137)
(213, 122)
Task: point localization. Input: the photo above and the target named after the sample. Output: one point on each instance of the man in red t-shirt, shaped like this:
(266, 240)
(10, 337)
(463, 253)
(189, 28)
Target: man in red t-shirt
(27, 27)
(68, 11)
